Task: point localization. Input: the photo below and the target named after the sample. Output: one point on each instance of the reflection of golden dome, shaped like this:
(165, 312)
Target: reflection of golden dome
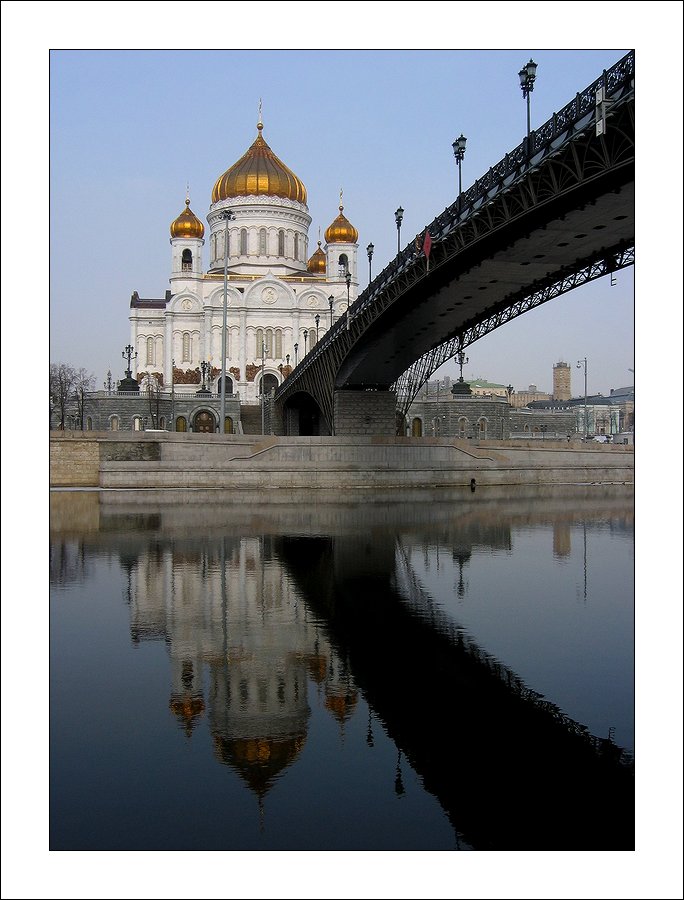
(341, 231)
(187, 225)
(187, 710)
(341, 705)
(318, 667)
(259, 173)
(259, 760)
(317, 262)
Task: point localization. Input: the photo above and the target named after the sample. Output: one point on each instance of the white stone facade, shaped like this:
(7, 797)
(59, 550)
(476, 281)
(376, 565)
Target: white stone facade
(273, 300)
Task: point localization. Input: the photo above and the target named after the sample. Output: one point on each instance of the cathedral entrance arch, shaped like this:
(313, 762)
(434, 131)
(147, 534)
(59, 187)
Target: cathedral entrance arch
(204, 422)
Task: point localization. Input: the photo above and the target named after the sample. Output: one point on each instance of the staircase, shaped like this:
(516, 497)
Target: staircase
(250, 416)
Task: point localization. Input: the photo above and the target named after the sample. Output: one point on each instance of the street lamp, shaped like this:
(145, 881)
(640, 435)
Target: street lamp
(462, 360)
(459, 146)
(398, 216)
(580, 363)
(263, 389)
(347, 278)
(306, 334)
(528, 75)
(296, 347)
(108, 382)
(129, 353)
(226, 215)
(331, 300)
(317, 320)
(369, 251)
(509, 388)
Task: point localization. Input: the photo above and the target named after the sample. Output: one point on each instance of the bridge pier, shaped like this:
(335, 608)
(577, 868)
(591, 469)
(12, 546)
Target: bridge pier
(365, 412)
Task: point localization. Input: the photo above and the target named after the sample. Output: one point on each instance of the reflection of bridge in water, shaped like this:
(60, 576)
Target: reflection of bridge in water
(508, 767)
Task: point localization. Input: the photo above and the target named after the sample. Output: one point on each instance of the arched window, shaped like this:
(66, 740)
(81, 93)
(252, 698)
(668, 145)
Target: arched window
(114, 423)
(258, 350)
(186, 347)
(228, 425)
(462, 427)
(268, 339)
(343, 263)
(417, 427)
(150, 352)
(181, 424)
(262, 242)
(281, 243)
(482, 427)
(526, 428)
(243, 242)
(296, 246)
(186, 264)
(312, 338)
(162, 423)
(278, 343)
(89, 424)
(229, 385)
(137, 423)
(213, 244)
(436, 426)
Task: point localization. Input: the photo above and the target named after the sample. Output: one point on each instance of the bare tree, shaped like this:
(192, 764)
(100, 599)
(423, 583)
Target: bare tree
(84, 382)
(68, 385)
(153, 391)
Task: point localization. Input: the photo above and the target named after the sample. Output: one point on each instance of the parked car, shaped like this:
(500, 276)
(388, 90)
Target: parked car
(601, 439)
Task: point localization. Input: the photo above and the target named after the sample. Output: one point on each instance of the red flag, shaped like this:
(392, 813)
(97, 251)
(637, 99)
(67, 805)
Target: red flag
(427, 243)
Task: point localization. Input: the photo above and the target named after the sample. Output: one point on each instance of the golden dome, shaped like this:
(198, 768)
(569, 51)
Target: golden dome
(259, 173)
(317, 262)
(341, 231)
(187, 225)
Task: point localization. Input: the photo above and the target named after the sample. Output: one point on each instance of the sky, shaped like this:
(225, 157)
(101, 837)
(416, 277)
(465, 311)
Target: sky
(98, 146)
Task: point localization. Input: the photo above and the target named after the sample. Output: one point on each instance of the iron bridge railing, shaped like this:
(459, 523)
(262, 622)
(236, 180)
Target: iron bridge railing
(550, 137)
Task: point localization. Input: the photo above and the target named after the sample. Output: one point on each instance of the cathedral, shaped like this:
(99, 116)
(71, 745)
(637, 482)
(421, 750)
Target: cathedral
(280, 299)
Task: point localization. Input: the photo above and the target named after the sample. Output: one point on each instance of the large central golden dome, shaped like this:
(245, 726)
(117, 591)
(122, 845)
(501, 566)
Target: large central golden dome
(259, 173)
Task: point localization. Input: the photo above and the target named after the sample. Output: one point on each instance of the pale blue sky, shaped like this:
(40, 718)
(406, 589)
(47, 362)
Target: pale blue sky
(130, 128)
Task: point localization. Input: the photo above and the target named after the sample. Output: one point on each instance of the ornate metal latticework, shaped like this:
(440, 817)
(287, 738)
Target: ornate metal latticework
(559, 157)
(414, 378)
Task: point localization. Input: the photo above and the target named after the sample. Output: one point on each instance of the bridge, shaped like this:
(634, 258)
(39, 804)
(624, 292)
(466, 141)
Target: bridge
(555, 213)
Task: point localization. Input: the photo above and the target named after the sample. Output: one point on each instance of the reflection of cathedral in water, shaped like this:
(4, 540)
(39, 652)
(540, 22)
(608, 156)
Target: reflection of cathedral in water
(230, 609)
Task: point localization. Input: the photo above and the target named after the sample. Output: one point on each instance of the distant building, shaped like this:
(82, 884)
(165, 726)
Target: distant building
(561, 381)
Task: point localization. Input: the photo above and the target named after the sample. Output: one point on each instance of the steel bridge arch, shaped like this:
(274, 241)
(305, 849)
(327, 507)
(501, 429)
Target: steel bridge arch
(561, 168)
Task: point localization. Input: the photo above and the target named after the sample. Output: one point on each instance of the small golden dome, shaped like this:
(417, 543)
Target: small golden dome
(187, 225)
(341, 231)
(259, 173)
(317, 263)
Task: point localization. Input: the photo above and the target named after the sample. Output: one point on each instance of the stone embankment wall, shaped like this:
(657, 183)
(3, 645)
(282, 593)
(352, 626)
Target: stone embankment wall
(244, 462)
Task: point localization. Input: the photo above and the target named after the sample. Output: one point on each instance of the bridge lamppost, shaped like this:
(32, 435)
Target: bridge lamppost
(347, 278)
(226, 215)
(580, 363)
(317, 320)
(330, 304)
(459, 146)
(398, 216)
(369, 251)
(108, 382)
(296, 347)
(527, 76)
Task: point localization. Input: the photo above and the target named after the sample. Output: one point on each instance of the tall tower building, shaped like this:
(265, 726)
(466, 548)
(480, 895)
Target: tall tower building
(561, 381)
